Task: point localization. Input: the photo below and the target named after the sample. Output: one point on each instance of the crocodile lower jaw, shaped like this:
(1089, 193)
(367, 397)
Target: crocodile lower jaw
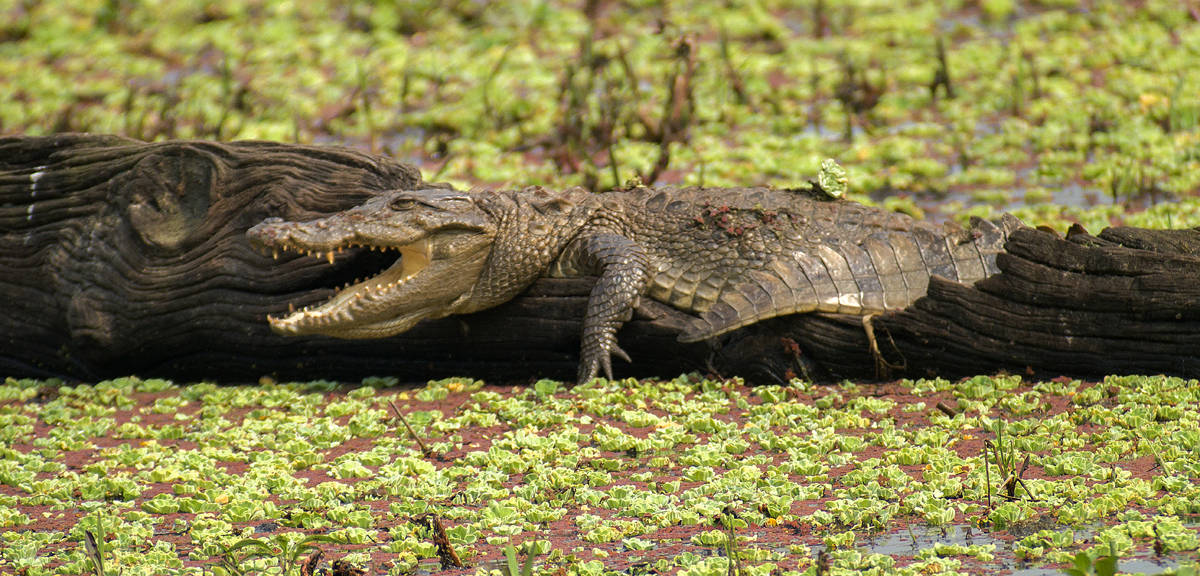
(360, 307)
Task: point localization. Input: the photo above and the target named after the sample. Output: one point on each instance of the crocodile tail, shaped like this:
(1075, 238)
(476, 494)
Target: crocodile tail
(961, 255)
(886, 270)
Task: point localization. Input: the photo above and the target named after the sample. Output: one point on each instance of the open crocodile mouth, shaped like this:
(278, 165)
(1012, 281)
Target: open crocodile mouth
(363, 302)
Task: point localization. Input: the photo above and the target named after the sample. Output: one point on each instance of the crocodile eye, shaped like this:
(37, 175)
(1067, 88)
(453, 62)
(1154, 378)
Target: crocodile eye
(402, 203)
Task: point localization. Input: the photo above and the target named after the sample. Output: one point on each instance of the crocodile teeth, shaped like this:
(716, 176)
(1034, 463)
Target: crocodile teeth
(354, 298)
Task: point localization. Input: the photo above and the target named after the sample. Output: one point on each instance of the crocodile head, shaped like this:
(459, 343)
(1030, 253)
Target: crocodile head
(441, 238)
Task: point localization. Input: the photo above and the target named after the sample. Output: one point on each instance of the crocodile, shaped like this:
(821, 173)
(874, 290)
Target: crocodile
(729, 257)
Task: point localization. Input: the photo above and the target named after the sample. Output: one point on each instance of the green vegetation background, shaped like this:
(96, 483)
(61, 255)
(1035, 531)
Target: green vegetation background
(1055, 102)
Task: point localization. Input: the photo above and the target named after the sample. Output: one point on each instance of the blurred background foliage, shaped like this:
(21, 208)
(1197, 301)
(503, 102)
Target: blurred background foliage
(1058, 110)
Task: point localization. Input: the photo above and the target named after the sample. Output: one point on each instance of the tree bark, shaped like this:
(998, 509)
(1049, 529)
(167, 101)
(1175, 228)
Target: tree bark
(121, 257)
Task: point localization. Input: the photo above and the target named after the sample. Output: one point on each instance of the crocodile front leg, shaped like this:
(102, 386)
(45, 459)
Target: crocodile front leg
(624, 273)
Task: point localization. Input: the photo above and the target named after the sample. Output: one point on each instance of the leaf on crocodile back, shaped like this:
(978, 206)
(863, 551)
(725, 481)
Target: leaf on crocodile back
(832, 178)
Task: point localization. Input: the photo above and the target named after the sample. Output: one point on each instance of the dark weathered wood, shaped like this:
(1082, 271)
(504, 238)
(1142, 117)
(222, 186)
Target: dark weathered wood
(122, 257)
(1070, 306)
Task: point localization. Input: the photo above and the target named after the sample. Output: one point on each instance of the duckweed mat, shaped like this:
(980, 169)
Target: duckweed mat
(1059, 110)
(986, 475)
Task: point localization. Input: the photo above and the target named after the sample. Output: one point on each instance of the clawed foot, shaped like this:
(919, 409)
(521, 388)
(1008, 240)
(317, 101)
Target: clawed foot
(596, 356)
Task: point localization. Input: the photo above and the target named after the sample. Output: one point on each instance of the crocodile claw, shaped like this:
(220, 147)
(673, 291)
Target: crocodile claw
(619, 353)
(599, 357)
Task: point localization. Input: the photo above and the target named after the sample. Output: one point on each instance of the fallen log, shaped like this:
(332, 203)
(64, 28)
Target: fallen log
(121, 257)
(1121, 303)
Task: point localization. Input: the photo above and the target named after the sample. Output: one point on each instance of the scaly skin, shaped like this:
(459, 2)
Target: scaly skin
(731, 257)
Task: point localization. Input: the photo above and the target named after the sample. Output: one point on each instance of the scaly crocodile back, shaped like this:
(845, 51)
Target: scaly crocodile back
(737, 256)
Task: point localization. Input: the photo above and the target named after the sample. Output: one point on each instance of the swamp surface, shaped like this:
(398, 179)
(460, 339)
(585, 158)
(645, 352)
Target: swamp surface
(985, 475)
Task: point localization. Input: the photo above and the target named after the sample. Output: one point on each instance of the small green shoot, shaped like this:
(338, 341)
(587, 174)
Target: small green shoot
(1005, 458)
(93, 549)
(282, 547)
(727, 520)
(1086, 564)
(512, 568)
